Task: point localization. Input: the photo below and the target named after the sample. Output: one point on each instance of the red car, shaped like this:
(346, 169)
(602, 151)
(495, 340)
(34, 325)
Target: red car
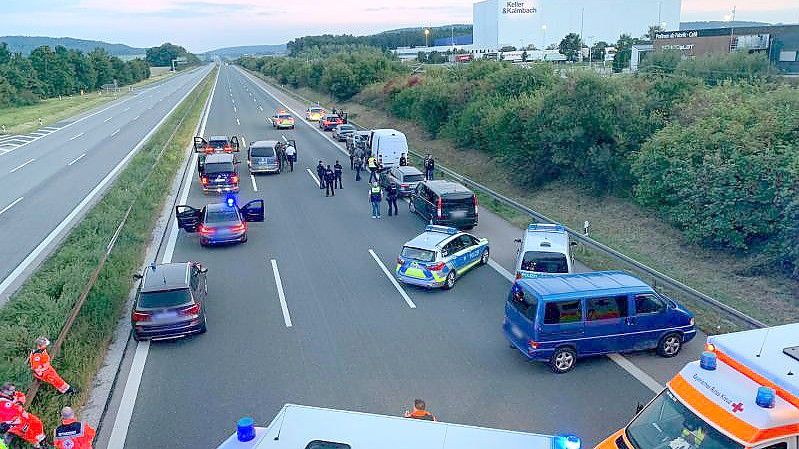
(330, 121)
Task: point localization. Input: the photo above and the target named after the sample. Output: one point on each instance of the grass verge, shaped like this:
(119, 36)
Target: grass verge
(24, 119)
(43, 303)
(619, 223)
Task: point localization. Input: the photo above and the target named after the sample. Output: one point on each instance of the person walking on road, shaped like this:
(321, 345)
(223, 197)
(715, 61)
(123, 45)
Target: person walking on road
(330, 181)
(73, 434)
(338, 169)
(391, 196)
(358, 168)
(320, 172)
(291, 156)
(375, 197)
(420, 411)
(15, 420)
(39, 361)
(371, 164)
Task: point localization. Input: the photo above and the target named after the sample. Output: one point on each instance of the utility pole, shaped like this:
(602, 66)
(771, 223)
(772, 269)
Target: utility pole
(732, 27)
(582, 17)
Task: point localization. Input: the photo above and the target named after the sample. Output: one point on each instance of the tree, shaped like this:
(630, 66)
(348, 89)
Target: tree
(653, 29)
(85, 74)
(624, 49)
(102, 65)
(163, 55)
(571, 46)
(598, 51)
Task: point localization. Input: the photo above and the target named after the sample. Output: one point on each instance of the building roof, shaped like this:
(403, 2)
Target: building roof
(569, 286)
(169, 276)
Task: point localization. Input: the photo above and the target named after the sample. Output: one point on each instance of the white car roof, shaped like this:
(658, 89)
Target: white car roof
(546, 237)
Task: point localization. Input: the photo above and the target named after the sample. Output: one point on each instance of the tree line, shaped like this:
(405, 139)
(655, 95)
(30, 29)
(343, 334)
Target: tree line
(164, 54)
(47, 73)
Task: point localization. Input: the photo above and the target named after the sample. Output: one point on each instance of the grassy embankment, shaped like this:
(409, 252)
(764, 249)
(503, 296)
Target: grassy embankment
(616, 222)
(43, 303)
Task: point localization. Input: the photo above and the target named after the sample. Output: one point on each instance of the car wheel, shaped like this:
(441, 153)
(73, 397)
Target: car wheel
(244, 238)
(203, 243)
(484, 258)
(204, 327)
(450, 281)
(563, 360)
(670, 345)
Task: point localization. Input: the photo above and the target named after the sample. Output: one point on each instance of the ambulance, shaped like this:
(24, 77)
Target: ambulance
(303, 427)
(742, 394)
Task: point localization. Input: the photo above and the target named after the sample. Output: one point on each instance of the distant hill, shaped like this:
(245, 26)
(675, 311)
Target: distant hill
(253, 50)
(26, 44)
(720, 24)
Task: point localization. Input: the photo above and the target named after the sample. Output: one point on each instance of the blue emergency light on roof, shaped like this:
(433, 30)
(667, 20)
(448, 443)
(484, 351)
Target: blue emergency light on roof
(566, 442)
(230, 200)
(707, 360)
(546, 227)
(765, 397)
(245, 429)
(444, 229)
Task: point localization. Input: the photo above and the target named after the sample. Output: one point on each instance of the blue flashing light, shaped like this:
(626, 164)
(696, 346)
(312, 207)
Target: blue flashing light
(566, 442)
(443, 229)
(230, 200)
(707, 360)
(766, 397)
(245, 429)
(552, 227)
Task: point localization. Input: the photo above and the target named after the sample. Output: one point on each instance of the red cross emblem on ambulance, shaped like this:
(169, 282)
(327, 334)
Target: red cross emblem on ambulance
(737, 407)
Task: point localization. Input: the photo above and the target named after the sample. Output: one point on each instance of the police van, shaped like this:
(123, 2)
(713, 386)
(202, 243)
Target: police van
(545, 249)
(303, 427)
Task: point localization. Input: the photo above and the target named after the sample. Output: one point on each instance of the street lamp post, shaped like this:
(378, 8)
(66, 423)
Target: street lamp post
(426, 36)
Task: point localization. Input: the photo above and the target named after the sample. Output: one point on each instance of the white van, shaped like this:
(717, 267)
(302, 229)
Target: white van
(545, 249)
(388, 144)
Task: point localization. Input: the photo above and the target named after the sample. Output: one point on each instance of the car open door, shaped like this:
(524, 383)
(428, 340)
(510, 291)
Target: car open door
(343, 116)
(199, 144)
(188, 218)
(253, 211)
(234, 143)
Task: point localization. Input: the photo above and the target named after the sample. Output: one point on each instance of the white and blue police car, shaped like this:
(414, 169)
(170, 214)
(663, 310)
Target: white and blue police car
(439, 256)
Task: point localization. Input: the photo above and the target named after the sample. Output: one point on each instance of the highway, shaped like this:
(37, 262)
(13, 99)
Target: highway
(305, 313)
(51, 180)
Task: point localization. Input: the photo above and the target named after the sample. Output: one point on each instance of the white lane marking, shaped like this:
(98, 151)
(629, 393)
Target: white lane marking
(50, 128)
(67, 221)
(107, 120)
(22, 165)
(254, 185)
(235, 109)
(234, 101)
(137, 117)
(2, 211)
(75, 137)
(636, 372)
(281, 295)
(114, 133)
(313, 176)
(260, 108)
(500, 269)
(126, 109)
(393, 280)
(77, 159)
(238, 122)
(125, 413)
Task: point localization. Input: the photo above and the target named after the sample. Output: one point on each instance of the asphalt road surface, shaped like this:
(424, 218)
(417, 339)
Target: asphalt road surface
(334, 331)
(49, 182)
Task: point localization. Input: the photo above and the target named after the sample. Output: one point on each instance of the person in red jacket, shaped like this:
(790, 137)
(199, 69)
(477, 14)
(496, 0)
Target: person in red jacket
(73, 434)
(16, 420)
(420, 411)
(40, 364)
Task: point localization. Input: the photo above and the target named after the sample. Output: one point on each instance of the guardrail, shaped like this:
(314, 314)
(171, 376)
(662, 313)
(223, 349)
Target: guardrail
(585, 240)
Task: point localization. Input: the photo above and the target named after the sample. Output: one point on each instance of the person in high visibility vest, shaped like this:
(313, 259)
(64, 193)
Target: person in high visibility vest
(420, 411)
(371, 163)
(375, 197)
(15, 420)
(693, 433)
(73, 434)
(39, 361)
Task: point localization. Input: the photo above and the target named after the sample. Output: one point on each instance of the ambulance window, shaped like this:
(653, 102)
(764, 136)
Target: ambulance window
(780, 445)
(606, 308)
(563, 312)
(648, 304)
(318, 444)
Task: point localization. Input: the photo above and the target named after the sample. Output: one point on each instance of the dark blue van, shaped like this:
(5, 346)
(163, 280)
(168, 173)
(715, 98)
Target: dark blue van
(560, 318)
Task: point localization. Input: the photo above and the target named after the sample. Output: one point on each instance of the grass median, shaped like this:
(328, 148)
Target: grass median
(42, 304)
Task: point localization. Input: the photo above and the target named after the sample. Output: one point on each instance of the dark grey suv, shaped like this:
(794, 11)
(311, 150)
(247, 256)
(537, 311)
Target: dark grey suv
(170, 301)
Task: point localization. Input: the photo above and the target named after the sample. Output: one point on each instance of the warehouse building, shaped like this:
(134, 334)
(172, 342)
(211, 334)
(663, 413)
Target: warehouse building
(500, 23)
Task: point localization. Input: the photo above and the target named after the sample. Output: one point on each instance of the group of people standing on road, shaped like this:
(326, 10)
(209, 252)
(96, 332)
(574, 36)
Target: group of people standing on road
(376, 197)
(15, 421)
(286, 153)
(330, 178)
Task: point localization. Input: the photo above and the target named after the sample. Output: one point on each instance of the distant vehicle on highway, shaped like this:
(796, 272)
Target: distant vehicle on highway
(558, 319)
(314, 113)
(220, 222)
(330, 121)
(262, 156)
(439, 256)
(215, 144)
(405, 177)
(445, 203)
(340, 132)
(169, 301)
(545, 249)
(219, 174)
(282, 120)
(388, 145)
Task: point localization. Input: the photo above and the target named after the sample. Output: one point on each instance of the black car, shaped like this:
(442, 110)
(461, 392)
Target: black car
(169, 301)
(219, 174)
(215, 144)
(445, 203)
(220, 222)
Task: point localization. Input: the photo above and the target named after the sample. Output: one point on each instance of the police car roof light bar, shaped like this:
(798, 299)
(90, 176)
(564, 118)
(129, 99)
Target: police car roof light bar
(442, 229)
(546, 227)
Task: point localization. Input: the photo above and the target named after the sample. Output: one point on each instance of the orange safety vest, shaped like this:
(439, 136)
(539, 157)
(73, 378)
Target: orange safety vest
(73, 434)
(39, 361)
(423, 415)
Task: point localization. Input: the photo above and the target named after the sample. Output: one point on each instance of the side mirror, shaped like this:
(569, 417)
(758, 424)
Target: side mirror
(517, 240)
(137, 276)
(573, 243)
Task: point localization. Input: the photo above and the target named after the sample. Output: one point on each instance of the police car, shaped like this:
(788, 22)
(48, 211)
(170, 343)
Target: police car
(220, 222)
(438, 256)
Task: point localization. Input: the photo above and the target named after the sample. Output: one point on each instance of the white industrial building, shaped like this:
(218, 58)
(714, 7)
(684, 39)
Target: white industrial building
(500, 23)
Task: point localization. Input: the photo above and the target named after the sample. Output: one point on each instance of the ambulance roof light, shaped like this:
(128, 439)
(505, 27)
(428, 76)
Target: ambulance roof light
(707, 360)
(566, 442)
(766, 397)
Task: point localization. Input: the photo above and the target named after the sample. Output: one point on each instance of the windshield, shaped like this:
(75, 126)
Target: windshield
(284, 116)
(346, 128)
(218, 167)
(218, 143)
(316, 110)
(262, 152)
(668, 424)
(412, 178)
(545, 262)
(423, 255)
(222, 216)
(167, 298)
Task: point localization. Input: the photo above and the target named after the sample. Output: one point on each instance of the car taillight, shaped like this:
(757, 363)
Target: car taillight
(191, 310)
(440, 208)
(241, 227)
(475, 203)
(209, 150)
(141, 316)
(518, 275)
(437, 267)
(228, 149)
(205, 230)
(234, 179)
(404, 186)
(532, 344)
(204, 180)
(400, 261)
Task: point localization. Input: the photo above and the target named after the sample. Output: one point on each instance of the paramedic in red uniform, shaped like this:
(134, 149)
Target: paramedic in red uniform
(42, 370)
(13, 417)
(420, 412)
(73, 434)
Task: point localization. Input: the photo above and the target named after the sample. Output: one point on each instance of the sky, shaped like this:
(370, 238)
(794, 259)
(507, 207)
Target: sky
(201, 25)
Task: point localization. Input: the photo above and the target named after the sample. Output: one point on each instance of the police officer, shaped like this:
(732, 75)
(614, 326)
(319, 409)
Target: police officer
(73, 434)
(358, 168)
(330, 180)
(375, 196)
(371, 164)
(403, 160)
(291, 156)
(338, 170)
(430, 168)
(320, 172)
(391, 196)
(280, 148)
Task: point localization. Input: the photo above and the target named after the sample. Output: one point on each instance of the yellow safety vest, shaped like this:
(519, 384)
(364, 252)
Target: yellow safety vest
(372, 162)
(698, 434)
